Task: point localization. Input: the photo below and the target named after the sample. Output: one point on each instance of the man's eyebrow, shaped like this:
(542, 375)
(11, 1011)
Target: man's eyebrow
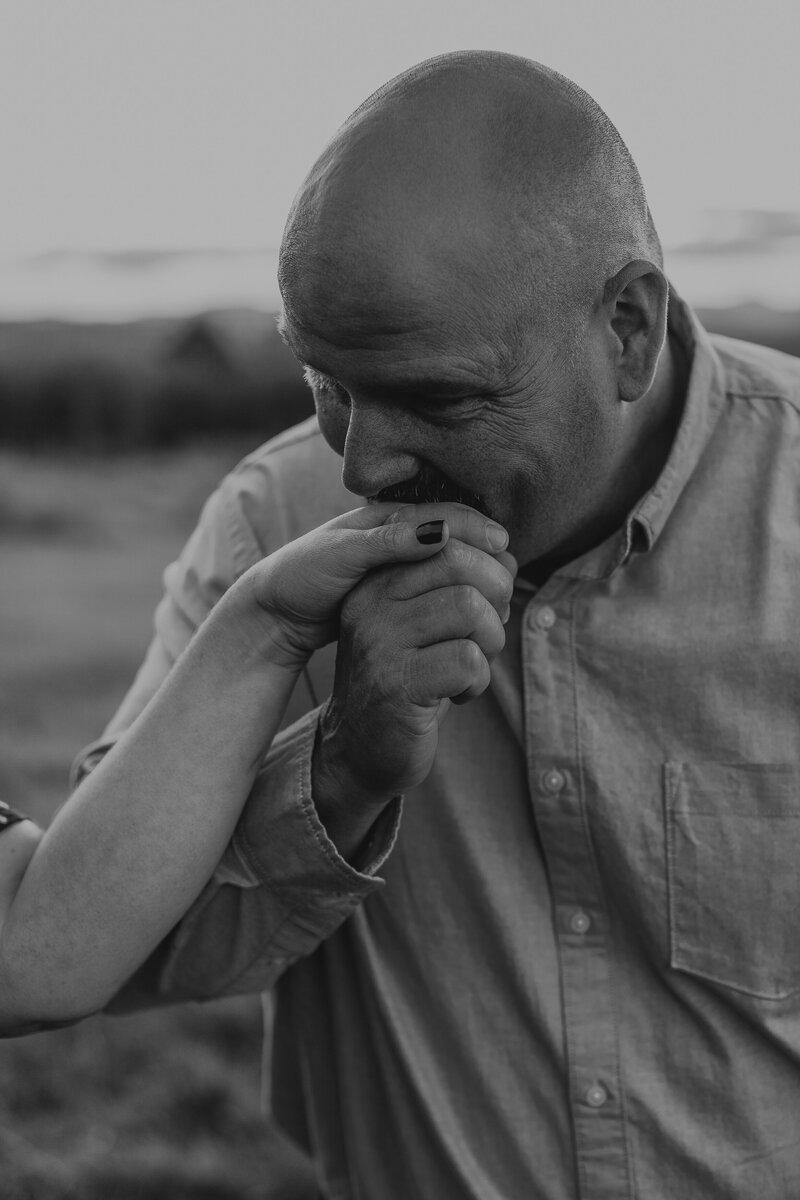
(315, 378)
(312, 376)
(431, 389)
(283, 331)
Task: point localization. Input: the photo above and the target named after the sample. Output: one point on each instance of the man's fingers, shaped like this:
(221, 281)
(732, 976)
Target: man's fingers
(456, 563)
(448, 614)
(457, 668)
(508, 561)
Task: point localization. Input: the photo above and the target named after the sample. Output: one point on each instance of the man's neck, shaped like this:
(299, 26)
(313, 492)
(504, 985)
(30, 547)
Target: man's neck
(661, 414)
(650, 444)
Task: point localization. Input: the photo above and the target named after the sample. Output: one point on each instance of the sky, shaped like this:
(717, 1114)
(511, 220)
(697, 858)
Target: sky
(164, 124)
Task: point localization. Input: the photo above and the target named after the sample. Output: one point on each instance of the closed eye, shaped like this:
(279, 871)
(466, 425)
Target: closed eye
(448, 410)
(438, 409)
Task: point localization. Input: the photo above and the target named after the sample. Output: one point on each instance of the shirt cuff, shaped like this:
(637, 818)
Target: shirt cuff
(283, 841)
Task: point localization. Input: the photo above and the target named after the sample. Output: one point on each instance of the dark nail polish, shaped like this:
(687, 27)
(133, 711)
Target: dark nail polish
(430, 533)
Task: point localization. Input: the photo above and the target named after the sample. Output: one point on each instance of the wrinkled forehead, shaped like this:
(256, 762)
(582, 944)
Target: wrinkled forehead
(396, 362)
(355, 286)
(388, 263)
(401, 302)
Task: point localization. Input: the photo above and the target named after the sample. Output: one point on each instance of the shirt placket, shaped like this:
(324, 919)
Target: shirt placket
(580, 917)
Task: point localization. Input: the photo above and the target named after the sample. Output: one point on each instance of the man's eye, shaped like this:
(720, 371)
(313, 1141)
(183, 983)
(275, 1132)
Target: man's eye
(448, 411)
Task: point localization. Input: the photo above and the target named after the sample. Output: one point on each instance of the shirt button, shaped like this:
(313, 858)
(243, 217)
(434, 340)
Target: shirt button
(596, 1095)
(580, 922)
(553, 780)
(545, 618)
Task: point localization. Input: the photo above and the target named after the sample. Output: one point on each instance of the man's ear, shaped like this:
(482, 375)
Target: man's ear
(636, 302)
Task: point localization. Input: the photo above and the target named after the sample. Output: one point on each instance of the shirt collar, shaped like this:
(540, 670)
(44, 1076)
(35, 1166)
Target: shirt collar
(704, 395)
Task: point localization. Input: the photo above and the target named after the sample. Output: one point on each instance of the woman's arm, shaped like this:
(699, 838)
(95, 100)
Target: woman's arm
(132, 848)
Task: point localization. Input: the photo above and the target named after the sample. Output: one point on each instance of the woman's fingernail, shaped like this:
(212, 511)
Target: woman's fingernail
(497, 536)
(430, 533)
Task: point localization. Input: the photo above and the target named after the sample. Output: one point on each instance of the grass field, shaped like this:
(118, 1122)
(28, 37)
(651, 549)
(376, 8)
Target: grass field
(162, 1105)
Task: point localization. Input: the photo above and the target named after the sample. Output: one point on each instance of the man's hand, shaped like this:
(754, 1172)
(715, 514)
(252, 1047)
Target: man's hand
(412, 637)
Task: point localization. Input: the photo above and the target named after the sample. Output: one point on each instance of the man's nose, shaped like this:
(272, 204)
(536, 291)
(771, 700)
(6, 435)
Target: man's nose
(376, 454)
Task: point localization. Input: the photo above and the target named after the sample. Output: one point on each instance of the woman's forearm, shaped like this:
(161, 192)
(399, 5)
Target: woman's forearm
(132, 848)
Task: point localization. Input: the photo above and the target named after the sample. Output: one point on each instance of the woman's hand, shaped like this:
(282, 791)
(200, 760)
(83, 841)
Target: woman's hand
(302, 585)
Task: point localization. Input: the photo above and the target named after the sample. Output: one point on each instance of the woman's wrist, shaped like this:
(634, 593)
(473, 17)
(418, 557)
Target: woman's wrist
(250, 629)
(285, 639)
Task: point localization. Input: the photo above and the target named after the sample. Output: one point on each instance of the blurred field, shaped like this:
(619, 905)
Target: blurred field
(163, 1105)
(114, 387)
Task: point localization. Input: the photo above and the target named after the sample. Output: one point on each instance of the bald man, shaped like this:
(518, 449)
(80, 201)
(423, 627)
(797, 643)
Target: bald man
(538, 942)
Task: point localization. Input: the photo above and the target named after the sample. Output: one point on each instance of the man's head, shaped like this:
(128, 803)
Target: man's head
(471, 276)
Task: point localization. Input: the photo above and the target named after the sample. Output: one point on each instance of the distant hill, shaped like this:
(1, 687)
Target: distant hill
(756, 323)
(149, 382)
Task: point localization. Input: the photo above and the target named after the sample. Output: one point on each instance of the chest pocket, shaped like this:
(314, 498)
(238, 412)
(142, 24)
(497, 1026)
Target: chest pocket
(733, 873)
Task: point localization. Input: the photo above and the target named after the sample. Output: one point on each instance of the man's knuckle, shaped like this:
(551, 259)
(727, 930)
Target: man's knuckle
(459, 554)
(494, 640)
(468, 655)
(499, 638)
(466, 601)
(507, 586)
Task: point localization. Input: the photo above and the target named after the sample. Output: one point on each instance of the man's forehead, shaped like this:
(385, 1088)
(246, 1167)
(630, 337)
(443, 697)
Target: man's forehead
(391, 367)
(340, 326)
(352, 269)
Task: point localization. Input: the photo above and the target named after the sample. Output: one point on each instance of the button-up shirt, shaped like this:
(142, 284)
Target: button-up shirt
(570, 967)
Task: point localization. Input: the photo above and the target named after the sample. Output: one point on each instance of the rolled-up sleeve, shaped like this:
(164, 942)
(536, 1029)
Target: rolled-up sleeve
(281, 888)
